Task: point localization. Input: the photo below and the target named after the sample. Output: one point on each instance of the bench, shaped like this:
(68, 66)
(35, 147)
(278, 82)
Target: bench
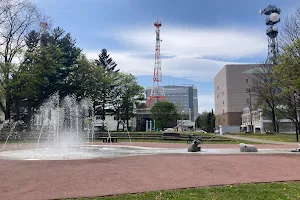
(110, 139)
(171, 135)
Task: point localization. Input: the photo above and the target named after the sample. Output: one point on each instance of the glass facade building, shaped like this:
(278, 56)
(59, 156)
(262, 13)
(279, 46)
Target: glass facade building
(184, 97)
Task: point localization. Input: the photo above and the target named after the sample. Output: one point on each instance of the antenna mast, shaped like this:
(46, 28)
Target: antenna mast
(272, 18)
(157, 92)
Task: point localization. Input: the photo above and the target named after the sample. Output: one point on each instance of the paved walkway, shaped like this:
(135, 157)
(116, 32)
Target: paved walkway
(42, 179)
(256, 140)
(99, 177)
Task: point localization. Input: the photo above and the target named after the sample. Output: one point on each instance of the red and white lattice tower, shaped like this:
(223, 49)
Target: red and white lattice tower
(157, 92)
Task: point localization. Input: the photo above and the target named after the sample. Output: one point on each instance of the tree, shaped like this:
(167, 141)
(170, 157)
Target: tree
(201, 120)
(50, 63)
(265, 90)
(86, 79)
(206, 121)
(140, 105)
(163, 113)
(108, 84)
(106, 62)
(70, 55)
(35, 79)
(288, 74)
(183, 116)
(17, 18)
(210, 119)
(126, 95)
(290, 30)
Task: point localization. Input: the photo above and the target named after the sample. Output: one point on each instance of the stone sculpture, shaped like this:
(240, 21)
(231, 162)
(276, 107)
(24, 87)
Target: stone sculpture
(247, 148)
(194, 146)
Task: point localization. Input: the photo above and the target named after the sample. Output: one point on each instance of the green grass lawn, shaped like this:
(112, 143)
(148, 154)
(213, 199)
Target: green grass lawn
(265, 191)
(214, 137)
(184, 142)
(281, 137)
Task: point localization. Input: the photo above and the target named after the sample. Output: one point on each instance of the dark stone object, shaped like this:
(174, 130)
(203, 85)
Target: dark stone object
(194, 146)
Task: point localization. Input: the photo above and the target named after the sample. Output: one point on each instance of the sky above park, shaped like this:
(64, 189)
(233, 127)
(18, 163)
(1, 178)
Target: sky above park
(198, 37)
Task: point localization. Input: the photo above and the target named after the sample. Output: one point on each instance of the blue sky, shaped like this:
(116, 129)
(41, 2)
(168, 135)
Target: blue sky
(199, 36)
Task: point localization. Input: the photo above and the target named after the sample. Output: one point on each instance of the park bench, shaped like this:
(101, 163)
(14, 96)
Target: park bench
(171, 135)
(110, 139)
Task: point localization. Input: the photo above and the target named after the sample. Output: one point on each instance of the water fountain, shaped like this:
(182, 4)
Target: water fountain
(64, 123)
(65, 127)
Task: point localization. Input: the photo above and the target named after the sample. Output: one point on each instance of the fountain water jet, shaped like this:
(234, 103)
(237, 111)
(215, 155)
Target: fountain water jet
(63, 123)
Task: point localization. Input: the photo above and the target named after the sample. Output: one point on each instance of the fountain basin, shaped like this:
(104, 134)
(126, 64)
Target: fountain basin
(105, 151)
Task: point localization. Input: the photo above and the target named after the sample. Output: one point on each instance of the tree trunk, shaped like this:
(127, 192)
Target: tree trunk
(297, 125)
(127, 118)
(274, 121)
(27, 120)
(103, 111)
(18, 108)
(118, 125)
(127, 124)
(7, 110)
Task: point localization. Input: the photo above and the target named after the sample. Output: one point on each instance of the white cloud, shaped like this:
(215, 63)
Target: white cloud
(202, 70)
(205, 103)
(190, 42)
(197, 54)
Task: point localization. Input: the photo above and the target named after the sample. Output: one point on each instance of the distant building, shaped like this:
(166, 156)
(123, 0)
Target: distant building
(184, 97)
(230, 93)
(261, 123)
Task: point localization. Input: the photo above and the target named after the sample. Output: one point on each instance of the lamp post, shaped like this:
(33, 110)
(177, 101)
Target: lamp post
(296, 115)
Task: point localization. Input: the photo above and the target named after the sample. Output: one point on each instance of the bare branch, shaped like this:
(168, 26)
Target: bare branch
(290, 30)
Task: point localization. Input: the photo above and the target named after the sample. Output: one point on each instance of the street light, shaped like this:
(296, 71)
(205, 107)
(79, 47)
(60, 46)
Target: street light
(296, 114)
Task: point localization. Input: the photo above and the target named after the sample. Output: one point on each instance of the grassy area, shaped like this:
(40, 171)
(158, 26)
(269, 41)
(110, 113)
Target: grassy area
(184, 142)
(213, 137)
(265, 191)
(281, 137)
(162, 141)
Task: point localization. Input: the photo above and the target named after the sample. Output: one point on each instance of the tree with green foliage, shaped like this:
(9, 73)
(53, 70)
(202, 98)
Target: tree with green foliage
(265, 89)
(288, 74)
(70, 55)
(106, 62)
(183, 116)
(201, 120)
(108, 84)
(36, 78)
(86, 79)
(49, 63)
(17, 18)
(127, 93)
(163, 113)
(206, 121)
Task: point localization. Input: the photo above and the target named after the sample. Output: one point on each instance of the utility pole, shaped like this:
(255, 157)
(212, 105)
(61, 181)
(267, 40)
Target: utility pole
(296, 114)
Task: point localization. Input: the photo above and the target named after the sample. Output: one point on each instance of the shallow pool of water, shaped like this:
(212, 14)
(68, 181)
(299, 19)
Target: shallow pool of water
(98, 151)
